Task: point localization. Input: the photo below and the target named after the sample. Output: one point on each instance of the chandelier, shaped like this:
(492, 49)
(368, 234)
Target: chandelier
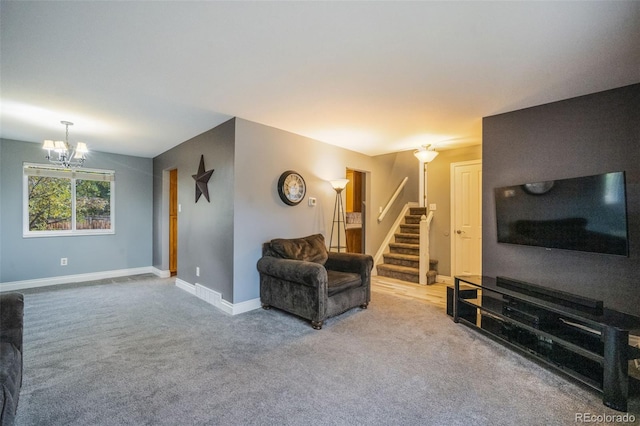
(65, 154)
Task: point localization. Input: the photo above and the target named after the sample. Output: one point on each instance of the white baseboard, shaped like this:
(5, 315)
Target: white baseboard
(160, 273)
(246, 306)
(444, 279)
(67, 279)
(189, 288)
(215, 299)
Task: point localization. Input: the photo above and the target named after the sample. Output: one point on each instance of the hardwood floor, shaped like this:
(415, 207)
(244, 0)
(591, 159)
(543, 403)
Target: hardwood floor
(434, 294)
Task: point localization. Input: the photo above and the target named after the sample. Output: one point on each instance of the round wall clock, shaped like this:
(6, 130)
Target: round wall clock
(291, 188)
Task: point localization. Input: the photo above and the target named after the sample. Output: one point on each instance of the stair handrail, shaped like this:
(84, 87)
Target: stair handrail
(425, 227)
(383, 213)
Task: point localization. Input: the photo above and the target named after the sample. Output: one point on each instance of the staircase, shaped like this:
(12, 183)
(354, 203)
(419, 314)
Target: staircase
(403, 261)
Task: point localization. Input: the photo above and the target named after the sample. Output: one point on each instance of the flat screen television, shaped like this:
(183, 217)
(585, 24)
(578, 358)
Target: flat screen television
(586, 213)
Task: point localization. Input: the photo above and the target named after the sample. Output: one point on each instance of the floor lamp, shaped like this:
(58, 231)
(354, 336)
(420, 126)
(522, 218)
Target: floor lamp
(338, 213)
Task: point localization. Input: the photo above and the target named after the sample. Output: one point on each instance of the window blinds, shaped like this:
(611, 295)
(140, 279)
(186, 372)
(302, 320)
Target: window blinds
(32, 169)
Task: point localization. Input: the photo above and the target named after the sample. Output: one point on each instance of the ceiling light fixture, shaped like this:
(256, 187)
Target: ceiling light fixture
(68, 156)
(426, 153)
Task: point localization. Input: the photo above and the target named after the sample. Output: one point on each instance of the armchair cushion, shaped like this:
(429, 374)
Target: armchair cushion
(309, 249)
(338, 282)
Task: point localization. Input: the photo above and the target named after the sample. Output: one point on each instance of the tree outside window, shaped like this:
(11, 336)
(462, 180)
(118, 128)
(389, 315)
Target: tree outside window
(68, 202)
(49, 203)
(93, 204)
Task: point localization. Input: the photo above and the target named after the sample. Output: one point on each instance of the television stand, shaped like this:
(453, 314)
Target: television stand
(571, 334)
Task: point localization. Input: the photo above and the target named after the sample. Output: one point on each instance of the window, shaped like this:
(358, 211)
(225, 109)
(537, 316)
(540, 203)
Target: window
(60, 201)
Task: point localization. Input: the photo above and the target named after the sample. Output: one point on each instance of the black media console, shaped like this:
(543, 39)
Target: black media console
(575, 335)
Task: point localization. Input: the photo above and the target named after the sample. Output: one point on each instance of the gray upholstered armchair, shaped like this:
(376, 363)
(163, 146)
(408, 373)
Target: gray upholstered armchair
(299, 276)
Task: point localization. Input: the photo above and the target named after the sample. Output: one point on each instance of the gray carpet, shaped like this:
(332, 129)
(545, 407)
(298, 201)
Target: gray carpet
(139, 351)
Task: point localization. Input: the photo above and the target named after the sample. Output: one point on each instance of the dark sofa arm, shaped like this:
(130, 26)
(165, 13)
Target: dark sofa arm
(11, 318)
(308, 273)
(350, 262)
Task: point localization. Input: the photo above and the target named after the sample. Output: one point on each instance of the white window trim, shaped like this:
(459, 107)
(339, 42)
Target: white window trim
(51, 170)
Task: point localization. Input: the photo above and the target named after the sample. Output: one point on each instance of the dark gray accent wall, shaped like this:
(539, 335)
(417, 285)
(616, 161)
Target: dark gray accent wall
(33, 258)
(205, 229)
(588, 135)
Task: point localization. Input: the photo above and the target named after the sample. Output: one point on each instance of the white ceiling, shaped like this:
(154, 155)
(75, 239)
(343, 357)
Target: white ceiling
(138, 78)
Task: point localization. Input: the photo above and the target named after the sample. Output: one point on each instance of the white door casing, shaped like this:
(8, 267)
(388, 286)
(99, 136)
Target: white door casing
(466, 218)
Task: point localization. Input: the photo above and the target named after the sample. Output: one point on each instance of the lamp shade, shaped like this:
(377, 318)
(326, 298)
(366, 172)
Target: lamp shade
(339, 184)
(425, 155)
(48, 144)
(82, 148)
(60, 146)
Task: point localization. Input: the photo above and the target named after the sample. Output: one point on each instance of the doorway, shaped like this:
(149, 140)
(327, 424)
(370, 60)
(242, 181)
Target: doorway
(173, 222)
(466, 218)
(355, 211)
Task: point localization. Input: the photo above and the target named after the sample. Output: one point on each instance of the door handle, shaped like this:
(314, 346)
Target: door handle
(459, 232)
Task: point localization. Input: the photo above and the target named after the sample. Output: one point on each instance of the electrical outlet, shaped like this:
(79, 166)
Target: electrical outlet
(312, 201)
(63, 261)
(432, 207)
(197, 271)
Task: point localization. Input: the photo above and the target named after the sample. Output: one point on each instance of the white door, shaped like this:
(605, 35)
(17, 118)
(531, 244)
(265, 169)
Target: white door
(466, 218)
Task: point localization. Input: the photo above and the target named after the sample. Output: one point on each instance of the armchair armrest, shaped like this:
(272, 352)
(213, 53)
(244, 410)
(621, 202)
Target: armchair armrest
(307, 273)
(350, 262)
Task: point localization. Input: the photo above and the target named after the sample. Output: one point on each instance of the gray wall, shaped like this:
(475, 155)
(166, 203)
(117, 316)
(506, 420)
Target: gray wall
(439, 193)
(205, 229)
(224, 237)
(32, 258)
(390, 170)
(588, 135)
(262, 153)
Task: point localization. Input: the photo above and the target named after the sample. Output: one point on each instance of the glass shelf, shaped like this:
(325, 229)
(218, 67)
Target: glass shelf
(569, 333)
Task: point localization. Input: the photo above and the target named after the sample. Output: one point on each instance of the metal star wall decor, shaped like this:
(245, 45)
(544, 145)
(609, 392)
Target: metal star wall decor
(202, 179)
